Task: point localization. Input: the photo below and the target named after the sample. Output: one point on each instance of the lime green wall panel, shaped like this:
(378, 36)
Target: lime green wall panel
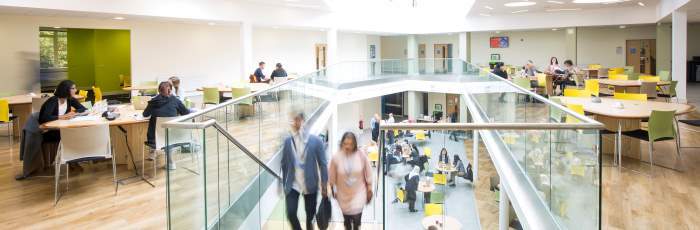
(112, 58)
(81, 51)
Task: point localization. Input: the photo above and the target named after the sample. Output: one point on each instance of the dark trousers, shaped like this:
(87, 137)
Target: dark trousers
(292, 201)
(375, 135)
(352, 222)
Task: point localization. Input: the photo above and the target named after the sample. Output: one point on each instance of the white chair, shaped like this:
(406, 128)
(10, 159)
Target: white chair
(176, 137)
(83, 143)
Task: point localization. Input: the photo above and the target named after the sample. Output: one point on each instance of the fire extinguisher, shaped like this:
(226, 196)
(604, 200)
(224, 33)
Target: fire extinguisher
(362, 124)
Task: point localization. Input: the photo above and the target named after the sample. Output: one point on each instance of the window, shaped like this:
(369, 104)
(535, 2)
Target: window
(53, 49)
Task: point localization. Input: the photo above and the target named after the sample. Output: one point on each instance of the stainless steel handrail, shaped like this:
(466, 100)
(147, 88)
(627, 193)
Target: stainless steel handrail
(490, 126)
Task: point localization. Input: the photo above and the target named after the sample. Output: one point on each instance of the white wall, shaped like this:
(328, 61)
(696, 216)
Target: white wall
(598, 45)
(437, 98)
(349, 114)
(295, 49)
(199, 54)
(538, 46)
(663, 47)
(693, 38)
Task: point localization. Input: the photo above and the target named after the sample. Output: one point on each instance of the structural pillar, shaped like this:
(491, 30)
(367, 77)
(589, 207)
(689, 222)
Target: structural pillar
(503, 209)
(247, 65)
(331, 46)
(679, 46)
(571, 45)
(412, 54)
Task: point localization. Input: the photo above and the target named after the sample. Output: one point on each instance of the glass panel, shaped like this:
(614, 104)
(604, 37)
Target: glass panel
(186, 186)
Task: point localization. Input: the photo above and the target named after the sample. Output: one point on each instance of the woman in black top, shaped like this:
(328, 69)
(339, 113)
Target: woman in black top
(278, 72)
(63, 100)
(444, 156)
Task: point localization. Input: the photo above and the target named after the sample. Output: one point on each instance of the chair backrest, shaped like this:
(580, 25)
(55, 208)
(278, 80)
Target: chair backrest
(616, 70)
(140, 102)
(648, 88)
(594, 66)
(650, 78)
(4, 110)
(632, 76)
(400, 195)
(83, 94)
(661, 125)
(210, 95)
(433, 209)
(664, 75)
(522, 82)
(37, 102)
(593, 86)
(175, 136)
(631, 96)
(576, 93)
(237, 92)
(252, 78)
(440, 179)
(437, 197)
(98, 93)
(672, 89)
(84, 142)
(577, 108)
(541, 80)
(618, 77)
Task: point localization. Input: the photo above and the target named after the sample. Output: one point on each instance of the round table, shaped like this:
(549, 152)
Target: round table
(447, 222)
(424, 186)
(446, 168)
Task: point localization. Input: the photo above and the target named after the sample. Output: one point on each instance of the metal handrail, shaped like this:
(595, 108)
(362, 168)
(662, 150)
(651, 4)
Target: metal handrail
(490, 126)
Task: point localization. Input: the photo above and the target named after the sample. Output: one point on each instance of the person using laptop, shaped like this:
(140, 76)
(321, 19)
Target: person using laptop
(61, 106)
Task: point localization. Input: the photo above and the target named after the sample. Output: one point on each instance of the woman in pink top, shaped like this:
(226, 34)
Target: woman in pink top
(350, 177)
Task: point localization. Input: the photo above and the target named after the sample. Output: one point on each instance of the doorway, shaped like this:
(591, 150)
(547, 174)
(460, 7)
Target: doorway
(421, 58)
(320, 56)
(442, 53)
(453, 107)
(641, 54)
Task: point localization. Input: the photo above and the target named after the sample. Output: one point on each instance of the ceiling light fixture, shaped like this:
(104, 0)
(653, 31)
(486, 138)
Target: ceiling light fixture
(488, 7)
(563, 9)
(596, 1)
(641, 4)
(519, 4)
(554, 29)
(118, 18)
(556, 2)
(622, 27)
(56, 27)
(518, 11)
(485, 15)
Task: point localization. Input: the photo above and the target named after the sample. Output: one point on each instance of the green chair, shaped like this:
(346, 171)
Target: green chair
(523, 83)
(671, 91)
(664, 75)
(245, 106)
(632, 76)
(437, 197)
(210, 96)
(555, 114)
(661, 128)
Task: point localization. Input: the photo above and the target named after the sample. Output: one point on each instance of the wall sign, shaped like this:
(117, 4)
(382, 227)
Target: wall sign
(499, 42)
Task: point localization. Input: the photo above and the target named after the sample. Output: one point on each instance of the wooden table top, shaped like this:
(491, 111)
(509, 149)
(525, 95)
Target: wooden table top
(424, 186)
(27, 99)
(628, 83)
(448, 222)
(446, 167)
(254, 87)
(128, 115)
(141, 87)
(632, 109)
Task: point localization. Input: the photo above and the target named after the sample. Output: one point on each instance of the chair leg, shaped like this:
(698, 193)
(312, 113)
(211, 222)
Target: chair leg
(114, 175)
(651, 158)
(57, 175)
(67, 172)
(680, 158)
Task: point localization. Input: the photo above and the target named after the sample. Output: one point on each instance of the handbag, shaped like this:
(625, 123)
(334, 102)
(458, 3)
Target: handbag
(323, 216)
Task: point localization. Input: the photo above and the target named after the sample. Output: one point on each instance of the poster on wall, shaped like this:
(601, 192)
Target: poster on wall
(499, 42)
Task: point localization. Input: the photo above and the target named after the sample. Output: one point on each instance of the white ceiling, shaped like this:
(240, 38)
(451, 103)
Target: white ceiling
(482, 7)
(304, 4)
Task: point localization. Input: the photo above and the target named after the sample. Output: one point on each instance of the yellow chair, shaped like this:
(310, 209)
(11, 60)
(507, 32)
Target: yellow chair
(616, 70)
(440, 179)
(618, 77)
(420, 135)
(577, 109)
(541, 80)
(595, 66)
(428, 152)
(433, 209)
(98, 93)
(210, 95)
(592, 86)
(576, 93)
(396, 132)
(631, 96)
(83, 94)
(650, 78)
(373, 156)
(401, 195)
(6, 118)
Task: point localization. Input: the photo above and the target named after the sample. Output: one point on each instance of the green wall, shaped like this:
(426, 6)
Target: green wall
(98, 57)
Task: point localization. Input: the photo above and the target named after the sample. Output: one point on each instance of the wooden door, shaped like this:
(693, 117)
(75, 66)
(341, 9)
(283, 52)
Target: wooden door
(320, 56)
(641, 54)
(440, 53)
(421, 58)
(453, 106)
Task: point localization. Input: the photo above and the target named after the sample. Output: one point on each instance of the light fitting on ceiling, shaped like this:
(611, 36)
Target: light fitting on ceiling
(641, 4)
(519, 4)
(488, 7)
(554, 29)
(518, 11)
(56, 27)
(622, 27)
(563, 9)
(118, 18)
(596, 1)
(556, 2)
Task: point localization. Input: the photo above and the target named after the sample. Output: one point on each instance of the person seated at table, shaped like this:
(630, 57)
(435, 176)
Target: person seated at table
(444, 156)
(259, 75)
(554, 67)
(61, 106)
(412, 180)
(162, 105)
(417, 159)
(530, 70)
(500, 70)
(570, 71)
(460, 171)
(176, 90)
(279, 72)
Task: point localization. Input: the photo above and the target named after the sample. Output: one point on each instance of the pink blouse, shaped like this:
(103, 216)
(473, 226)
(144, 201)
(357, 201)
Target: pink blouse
(351, 176)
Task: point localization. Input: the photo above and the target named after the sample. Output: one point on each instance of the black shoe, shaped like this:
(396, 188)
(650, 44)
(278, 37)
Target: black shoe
(412, 210)
(453, 185)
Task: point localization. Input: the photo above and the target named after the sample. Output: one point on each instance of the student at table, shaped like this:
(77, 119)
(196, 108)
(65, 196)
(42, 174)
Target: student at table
(570, 71)
(460, 171)
(61, 106)
(259, 75)
(350, 177)
(500, 70)
(412, 180)
(444, 156)
(163, 105)
(279, 72)
(176, 90)
(530, 70)
(554, 67)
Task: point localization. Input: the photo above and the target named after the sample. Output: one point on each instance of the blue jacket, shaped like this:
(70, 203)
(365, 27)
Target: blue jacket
(314, 161)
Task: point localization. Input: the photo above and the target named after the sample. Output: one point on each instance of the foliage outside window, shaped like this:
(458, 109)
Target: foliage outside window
(53, 49)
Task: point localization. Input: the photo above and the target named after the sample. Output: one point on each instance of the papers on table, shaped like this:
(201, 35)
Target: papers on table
(85, 118)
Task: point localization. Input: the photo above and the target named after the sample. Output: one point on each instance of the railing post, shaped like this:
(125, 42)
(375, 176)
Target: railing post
(503, 209)
(475, 150)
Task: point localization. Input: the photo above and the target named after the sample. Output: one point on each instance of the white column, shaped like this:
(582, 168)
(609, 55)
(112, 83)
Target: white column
(412, 54)
(247, 66)
(463, 44)
(475, 160)
(331, 46)
(679, 46)
(503, 209)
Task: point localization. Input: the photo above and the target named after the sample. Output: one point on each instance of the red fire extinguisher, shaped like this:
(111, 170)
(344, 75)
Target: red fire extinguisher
(362, 124)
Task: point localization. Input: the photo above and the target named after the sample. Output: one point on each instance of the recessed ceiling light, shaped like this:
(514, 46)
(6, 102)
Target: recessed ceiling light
(118, 18)
(641, 4)
(488, 7)
(519, 4)
(596, 1)
(554, 29)
(556, 2)
(563, 9)
(518, 11)
(56, 27)
(622, 27)
(485, 15)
